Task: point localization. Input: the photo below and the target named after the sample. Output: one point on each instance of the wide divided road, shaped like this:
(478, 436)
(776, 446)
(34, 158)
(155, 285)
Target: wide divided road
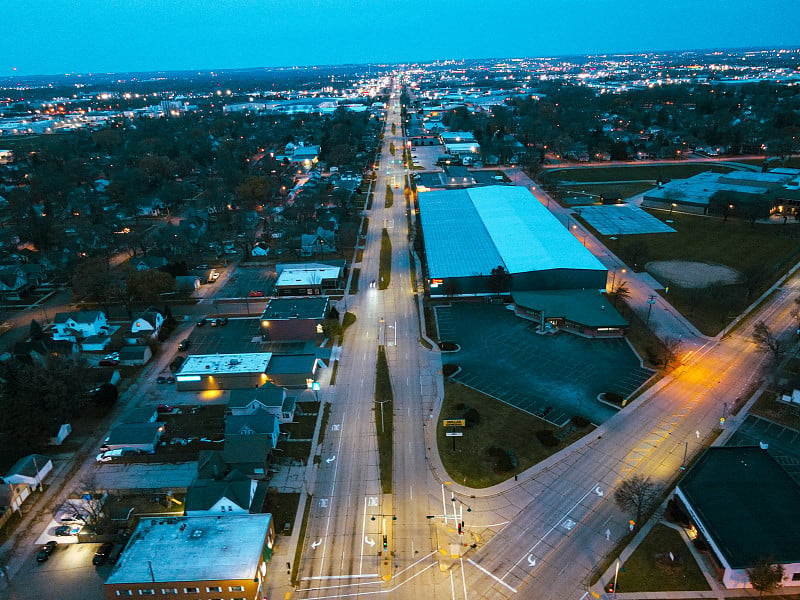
(539, 537)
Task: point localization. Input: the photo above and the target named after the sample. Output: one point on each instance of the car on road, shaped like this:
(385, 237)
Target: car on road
(65, 530)
(202, 321)
(220, 321)
(45, 551)
(184, 345)
(213, 277)
(102, 554)
(256, 293)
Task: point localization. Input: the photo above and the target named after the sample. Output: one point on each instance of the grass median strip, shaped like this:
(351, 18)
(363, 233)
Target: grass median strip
(384, 412)
(385, 267)
(389, 197)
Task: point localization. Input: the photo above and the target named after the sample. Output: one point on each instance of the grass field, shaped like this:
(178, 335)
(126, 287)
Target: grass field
(499, 424)
(609, 190)
(641, 573)
(634, 172)
(761, 252)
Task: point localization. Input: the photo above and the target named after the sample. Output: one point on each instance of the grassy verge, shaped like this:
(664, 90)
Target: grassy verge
(295, 450)
(301, 537)
(385, 266)
(334, 371)
(302, 428)
(412, 270)
(647, 344)
(326, 415)
(283, 508)
(389, 197)
(354, 281)
(644, 572)
(365, 226)
(384, 412)
(498, 425)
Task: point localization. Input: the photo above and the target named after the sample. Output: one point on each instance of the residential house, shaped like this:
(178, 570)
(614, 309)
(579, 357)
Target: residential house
(79, 325)
(250, 454)
(187, 284)
(268, 397)
(146, 326)
(234, 493)
(145, 263)
(61, 433)
(13, 282)
(260, 423)
(25, 476)
(38, 351)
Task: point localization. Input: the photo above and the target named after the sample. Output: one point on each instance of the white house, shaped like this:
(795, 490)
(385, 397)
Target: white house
(78, 325)
(268, 397)
(147, 324)
(25, 476)
(235, 494)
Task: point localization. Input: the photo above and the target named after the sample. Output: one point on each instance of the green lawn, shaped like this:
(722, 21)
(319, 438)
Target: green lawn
(609, 190)
(634, 172)
(500, 425)
(641, 573)
(762, 252)
(384, 420)
(283, 508)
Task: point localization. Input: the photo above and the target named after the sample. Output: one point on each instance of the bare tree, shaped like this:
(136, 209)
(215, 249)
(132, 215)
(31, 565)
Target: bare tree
(637, 495)
(765, 577)
(765, 338)
(621, 292)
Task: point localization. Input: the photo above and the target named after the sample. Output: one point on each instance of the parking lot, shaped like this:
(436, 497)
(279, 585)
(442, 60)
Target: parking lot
(553, 377)
(249, 279)
(67, 575)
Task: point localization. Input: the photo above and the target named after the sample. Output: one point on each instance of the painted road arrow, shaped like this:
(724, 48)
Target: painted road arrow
(369, 541)
(315, 544)
(331, 459)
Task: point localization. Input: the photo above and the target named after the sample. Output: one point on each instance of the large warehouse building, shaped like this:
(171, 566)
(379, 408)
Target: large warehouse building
(470, 232)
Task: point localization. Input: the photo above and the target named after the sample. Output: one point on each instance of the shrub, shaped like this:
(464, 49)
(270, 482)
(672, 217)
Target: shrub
(613, 398)
(580, 422)
(500, 459)
(547, 438)
(448, 370)
(472, 417)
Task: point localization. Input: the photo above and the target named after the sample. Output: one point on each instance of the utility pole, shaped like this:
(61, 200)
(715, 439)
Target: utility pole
(651, 299)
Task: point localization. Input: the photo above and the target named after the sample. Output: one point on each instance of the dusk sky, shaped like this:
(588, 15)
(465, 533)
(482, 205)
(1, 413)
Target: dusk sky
(82, 36)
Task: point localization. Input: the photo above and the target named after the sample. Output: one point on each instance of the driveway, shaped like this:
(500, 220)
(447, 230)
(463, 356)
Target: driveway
(67, 575)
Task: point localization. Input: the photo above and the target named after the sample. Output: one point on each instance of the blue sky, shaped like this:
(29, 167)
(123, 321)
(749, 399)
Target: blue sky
(83, 36)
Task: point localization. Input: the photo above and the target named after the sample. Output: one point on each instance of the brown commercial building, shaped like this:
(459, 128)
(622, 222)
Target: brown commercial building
(196, 558)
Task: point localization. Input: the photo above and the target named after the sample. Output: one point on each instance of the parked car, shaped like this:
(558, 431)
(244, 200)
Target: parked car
(176, 363)
(108, 362)
(201, 322)
(65, 530)
(221, 321)
(102, 554)
(113, 558)
(164, 408)
(110, 455)
(69, 518)
(161, 379)
(184, 345)
(256, 293)
(170, 379)
(45, 551)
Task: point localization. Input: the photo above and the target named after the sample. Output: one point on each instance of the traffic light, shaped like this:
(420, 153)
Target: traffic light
(460, 527)
(610, 588)
(385, 543)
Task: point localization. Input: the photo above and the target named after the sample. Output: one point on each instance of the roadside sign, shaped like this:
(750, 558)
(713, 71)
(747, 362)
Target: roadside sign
(454, 422)
(454, 434)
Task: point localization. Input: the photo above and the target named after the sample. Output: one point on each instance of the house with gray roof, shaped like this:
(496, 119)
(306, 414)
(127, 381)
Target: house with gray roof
(268, 397)
(235, 493)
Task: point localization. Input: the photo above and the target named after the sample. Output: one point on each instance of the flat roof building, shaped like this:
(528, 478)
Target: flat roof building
(744, 505)
(223, 371)
(195, 557)
(292, 319)
(307, 279)
(470, 232)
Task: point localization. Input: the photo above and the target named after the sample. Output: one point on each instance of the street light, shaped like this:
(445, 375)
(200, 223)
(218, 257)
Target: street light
(614, 276)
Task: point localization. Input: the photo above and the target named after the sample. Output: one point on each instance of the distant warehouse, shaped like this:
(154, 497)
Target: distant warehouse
(468, 233)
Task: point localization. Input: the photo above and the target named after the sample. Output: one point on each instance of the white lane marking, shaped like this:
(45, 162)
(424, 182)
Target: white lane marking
(492, 575)
(452, 586)
(363, 530)
(411, 492)
(551, 530)
(463, 577)
(324, 577)
(315, 544)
